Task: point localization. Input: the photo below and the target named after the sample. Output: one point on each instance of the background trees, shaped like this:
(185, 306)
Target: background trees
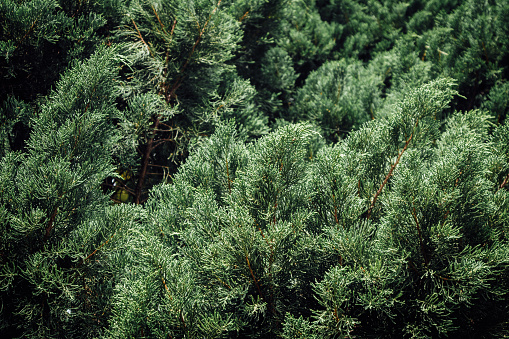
(254, 168)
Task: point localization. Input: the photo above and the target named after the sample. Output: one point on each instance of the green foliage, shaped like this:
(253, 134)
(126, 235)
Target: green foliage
(254, 169)
(339, 96)
(279, 228)
(304, 34)
(12, 112)
(32, 33)
(182, 53)
(53, 209)
(223, 219)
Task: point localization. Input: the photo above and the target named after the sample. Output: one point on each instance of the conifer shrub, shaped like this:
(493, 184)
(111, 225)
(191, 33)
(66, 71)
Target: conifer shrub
(254, 169)
(54, 215)
(395, 231)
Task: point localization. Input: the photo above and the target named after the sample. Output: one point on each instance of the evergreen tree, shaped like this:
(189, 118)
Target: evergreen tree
(180, 52)
(254, 169)
(54, 215)
(407, 269)
(396, 231)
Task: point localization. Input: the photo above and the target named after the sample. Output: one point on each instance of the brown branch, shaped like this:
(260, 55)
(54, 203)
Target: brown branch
(179, 79)
(222, 282)
(170, 128)
(161, 141)
(503, 183)
(244, 16)
(145, 161)
(27, 33)
(388, 176)
(254, 278)
(97, 249)
(164, 130)
(335, 313)
(444, 278)
(166, 288)
(50, 223)
(173, 26)
(158, 19)
(141, 37)
(170, 93)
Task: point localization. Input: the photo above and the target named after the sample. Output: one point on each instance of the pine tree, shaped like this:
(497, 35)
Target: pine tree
(339, 96)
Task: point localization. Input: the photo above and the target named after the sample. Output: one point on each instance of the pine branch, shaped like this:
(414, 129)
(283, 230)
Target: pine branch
(243, 16)
(161, 141)
(97, 249)
(27, 33)
(389, 175)
(141, 37)
(166, 288)
(158, 19)
(167, 58)
(254, 278)
(170, 93)
(336, 317)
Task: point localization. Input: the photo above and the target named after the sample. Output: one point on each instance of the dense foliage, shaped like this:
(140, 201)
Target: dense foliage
(254, 169)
